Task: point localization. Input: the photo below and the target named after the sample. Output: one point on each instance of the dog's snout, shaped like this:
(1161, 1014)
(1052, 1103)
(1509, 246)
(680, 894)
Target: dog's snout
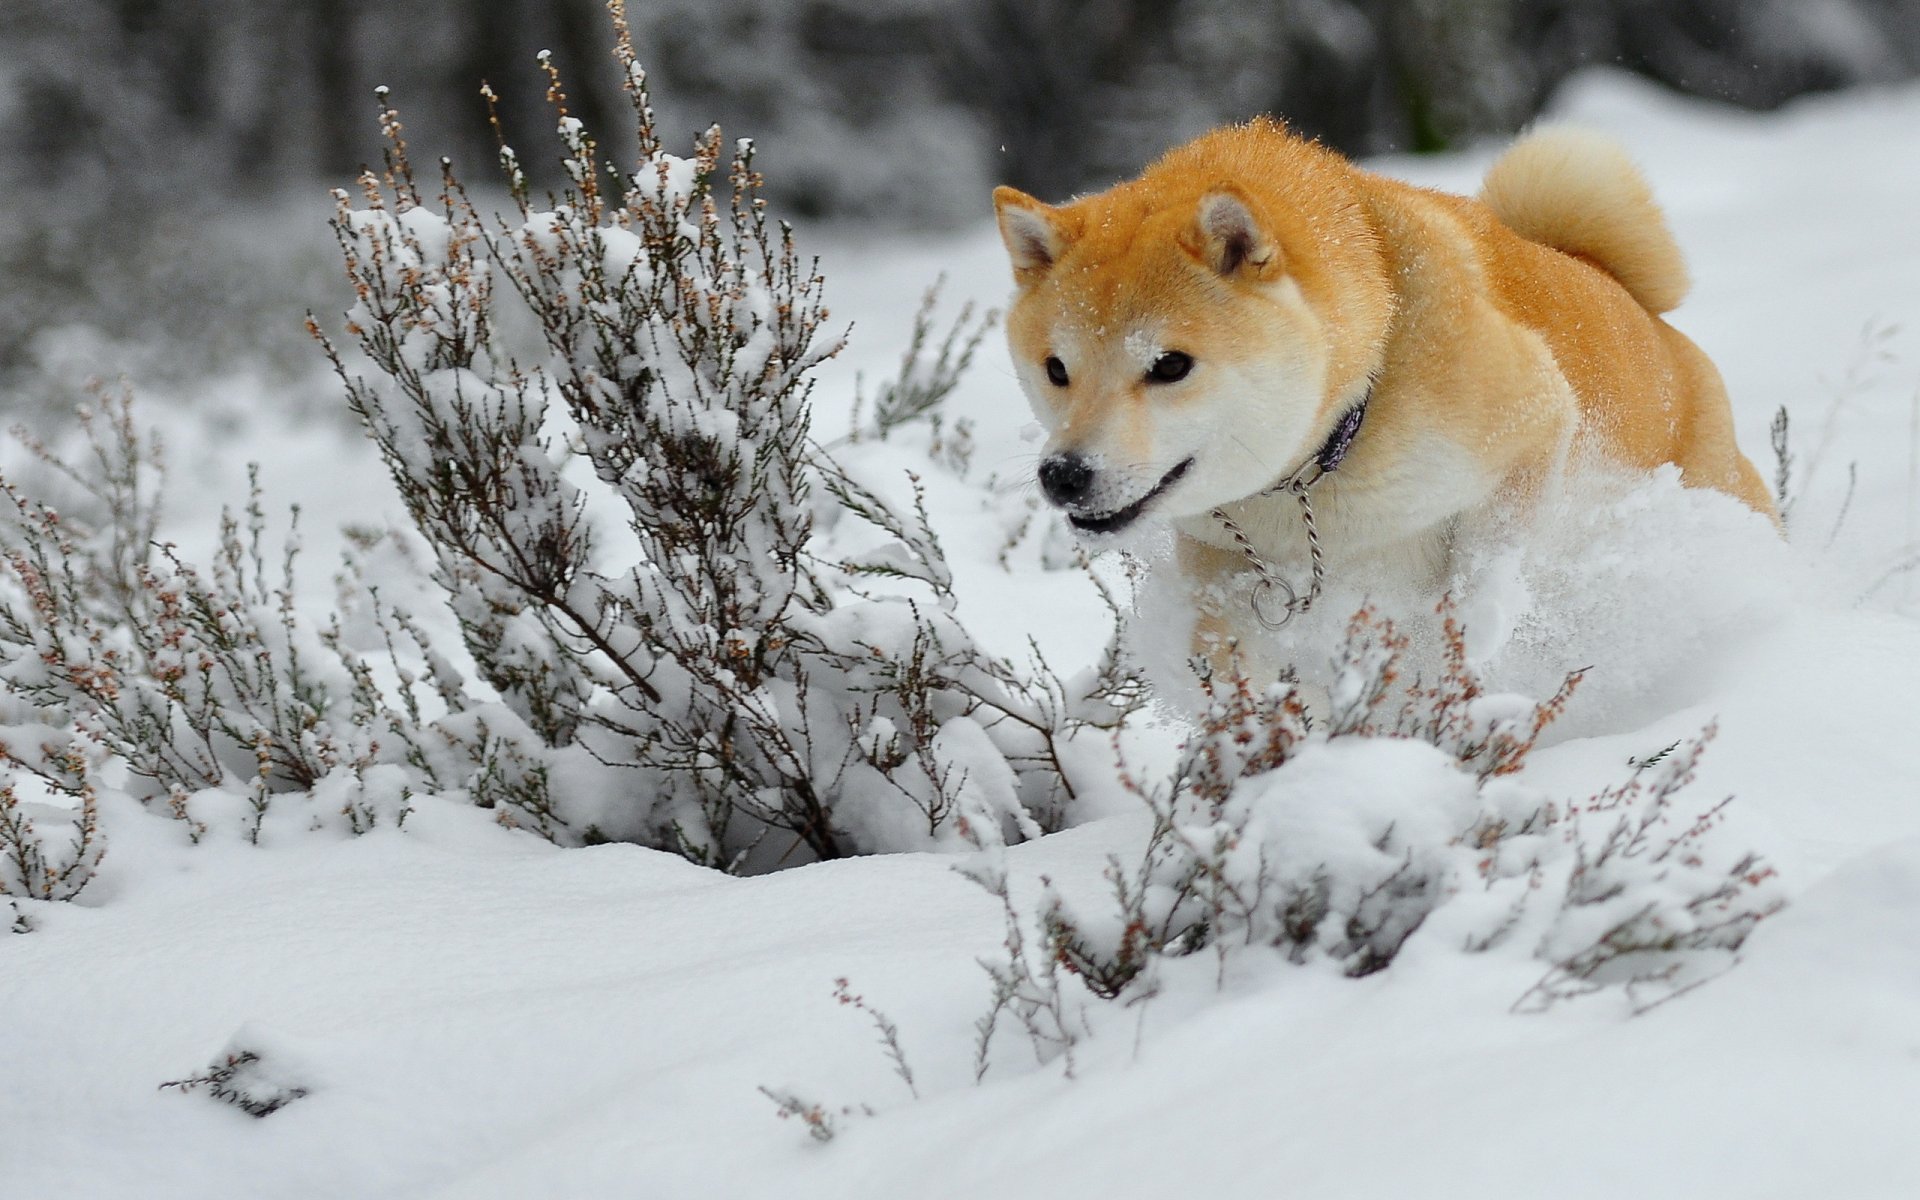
(1065, 479)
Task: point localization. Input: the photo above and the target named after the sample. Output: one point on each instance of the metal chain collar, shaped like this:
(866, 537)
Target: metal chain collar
(1270, 581)
(1332, 453)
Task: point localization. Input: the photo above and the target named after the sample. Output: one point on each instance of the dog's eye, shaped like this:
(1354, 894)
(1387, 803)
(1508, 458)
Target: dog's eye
(1056, 372)
(1170, 367)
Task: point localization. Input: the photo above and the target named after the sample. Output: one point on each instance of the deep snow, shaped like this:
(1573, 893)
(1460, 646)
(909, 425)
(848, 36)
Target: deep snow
(475, 1013)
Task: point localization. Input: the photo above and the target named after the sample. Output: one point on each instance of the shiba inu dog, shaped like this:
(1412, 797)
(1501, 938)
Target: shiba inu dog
(1257, 341)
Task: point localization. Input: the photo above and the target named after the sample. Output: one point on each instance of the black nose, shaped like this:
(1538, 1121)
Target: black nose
(1065, 479)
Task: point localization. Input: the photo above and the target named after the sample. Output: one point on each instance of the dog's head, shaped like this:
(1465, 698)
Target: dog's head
(1166, 344)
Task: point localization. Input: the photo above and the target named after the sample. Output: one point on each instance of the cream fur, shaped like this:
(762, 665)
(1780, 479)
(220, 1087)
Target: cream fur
(1578, 192)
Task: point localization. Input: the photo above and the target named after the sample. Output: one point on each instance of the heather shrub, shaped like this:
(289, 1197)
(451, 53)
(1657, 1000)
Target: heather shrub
(257, 1072)
(1334, 842)
(191, 680)
(761, 693)
(33, 868)
(637, 539)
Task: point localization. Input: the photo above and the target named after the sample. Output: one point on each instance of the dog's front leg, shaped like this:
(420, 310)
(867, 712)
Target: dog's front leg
(1228, 638)
(1213, 578)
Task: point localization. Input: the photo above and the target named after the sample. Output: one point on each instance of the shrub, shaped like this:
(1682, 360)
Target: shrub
(1337, 844)
(29, 869)
(112, 647)
(760, 696)
(749, 681)
(247, 1076)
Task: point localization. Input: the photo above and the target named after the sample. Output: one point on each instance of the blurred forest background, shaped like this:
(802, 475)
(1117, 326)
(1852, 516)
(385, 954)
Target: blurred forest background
(137, 135)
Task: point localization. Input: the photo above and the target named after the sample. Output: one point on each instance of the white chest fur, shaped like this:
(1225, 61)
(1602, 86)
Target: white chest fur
(1384, 518)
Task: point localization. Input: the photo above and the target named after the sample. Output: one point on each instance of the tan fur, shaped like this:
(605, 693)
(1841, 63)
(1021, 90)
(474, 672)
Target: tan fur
(1494, 338)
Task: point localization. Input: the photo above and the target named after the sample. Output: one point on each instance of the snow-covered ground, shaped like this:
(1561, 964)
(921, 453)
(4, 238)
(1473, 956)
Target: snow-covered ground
(474, 1012)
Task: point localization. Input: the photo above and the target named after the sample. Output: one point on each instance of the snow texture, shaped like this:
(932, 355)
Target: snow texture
(469, 1011)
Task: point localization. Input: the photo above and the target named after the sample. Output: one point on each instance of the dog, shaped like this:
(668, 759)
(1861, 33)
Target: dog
(1302, 368)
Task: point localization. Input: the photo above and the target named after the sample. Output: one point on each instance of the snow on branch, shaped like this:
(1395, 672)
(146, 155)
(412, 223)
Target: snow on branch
(762, 699)
(1401, 814)
(632, 534)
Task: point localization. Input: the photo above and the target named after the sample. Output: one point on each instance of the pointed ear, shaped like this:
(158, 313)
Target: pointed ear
(1031, 231)
(1230, 238)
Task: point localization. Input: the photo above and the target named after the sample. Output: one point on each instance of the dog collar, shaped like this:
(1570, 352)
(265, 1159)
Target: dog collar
(1334, 450)
(1325, 462)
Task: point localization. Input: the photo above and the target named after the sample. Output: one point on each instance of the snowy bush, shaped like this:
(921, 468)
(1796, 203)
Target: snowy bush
(750, 681)
(713, 677)
(28, 867)
(1402, 812)
(252, 1078)
(191, 681)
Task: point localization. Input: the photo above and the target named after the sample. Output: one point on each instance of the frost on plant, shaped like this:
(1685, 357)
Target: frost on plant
(760, 698)
(1402, 815)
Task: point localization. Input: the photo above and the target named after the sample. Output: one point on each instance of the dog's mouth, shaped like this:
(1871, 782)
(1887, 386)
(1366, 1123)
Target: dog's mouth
(1119, 519)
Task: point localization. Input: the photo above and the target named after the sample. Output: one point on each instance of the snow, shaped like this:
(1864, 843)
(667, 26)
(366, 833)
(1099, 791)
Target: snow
(475, 1013)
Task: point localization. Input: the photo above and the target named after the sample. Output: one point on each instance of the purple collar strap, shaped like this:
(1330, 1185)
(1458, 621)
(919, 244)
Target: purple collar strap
(1334, 450)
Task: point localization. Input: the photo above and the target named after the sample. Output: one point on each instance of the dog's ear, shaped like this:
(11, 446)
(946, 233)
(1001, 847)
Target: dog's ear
(1229, 236)
(1032, 231)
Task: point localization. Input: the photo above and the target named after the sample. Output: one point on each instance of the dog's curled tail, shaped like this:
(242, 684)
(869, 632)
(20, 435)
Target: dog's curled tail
(1578, 192)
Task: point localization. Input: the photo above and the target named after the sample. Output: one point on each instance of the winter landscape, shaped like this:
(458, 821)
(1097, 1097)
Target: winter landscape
(578, 803)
